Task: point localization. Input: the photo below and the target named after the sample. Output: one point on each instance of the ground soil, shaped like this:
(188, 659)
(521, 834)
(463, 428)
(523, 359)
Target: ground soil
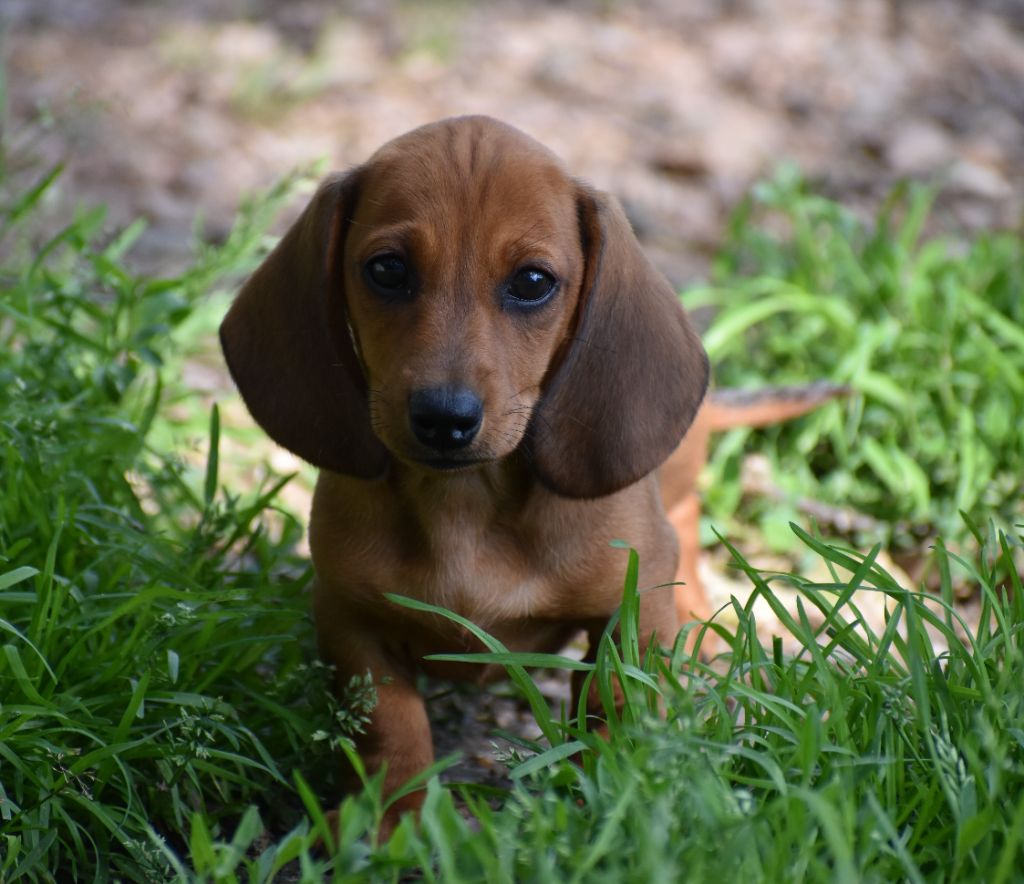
(166, 110)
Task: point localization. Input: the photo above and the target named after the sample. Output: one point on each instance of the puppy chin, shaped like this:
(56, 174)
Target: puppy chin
(450, 464)
(481, 453)
(425, 460)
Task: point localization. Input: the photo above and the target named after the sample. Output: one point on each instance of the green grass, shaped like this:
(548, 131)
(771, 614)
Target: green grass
(156, 659)
(929, 333)
(867, 756)
(163, 716)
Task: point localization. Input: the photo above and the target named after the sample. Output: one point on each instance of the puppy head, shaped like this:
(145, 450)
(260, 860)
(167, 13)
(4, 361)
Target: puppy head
(455, 299)
(461, 272)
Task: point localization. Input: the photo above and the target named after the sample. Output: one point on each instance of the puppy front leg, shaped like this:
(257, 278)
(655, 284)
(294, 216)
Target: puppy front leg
(397, 737)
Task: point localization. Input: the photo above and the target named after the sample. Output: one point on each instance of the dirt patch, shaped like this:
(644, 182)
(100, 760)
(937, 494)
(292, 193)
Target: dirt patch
(166, 110)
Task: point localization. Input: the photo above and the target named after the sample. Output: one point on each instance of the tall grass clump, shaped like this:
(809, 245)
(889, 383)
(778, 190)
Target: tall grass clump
(928, 331)
(154, 644)
(889, 753)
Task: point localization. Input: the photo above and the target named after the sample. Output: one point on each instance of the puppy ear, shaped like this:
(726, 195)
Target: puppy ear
(288, 347)
(634, 372)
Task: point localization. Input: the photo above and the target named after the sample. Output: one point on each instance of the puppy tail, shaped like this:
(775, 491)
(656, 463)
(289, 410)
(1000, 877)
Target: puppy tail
(731, 408)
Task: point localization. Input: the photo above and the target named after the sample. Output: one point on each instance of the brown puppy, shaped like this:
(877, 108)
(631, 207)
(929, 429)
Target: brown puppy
(472, 346)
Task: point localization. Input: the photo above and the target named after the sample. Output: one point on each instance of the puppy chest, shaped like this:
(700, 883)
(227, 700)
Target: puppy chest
(491, 562)
(485, 572)
(488, 577)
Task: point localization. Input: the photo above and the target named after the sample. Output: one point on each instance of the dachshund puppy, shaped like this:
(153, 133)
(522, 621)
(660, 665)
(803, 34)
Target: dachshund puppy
(472, 347)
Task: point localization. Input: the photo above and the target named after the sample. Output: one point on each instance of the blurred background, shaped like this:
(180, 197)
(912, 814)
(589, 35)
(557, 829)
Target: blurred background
(166, 110)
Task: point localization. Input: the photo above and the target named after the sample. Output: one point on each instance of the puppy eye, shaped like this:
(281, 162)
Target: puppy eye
(388, 274)
(531, 285)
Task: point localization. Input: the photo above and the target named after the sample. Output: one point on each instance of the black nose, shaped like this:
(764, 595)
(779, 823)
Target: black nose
(445, 418)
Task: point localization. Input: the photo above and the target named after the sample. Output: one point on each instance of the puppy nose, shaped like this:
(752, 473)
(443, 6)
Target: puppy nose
(445, 418)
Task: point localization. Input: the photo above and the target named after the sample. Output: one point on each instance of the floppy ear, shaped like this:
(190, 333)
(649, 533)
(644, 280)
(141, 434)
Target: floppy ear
(634, 373)
(288, 348)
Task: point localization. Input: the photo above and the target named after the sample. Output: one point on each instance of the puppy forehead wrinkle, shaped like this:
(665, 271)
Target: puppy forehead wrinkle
(467, 159)
(538, 240)
(404, 234)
